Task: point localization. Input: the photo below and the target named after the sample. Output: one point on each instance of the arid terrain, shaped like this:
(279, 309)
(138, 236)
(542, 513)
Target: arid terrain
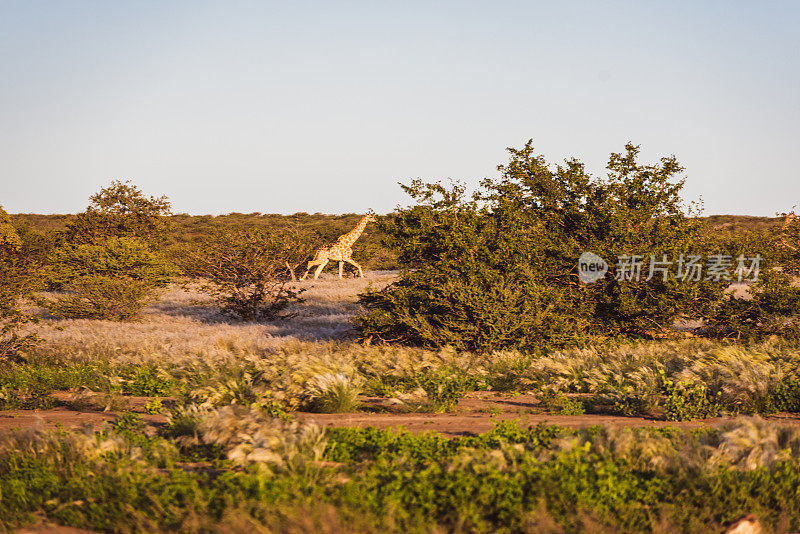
(184, 327)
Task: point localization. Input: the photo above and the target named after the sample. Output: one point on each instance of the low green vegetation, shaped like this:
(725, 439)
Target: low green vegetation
(238, 468)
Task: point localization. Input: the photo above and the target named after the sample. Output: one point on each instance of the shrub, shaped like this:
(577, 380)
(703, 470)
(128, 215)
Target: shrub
(560, 404)
(786, 396)
(771, 308)
(246, 270)
(16, 281)
(105, 263)
(686, 401)
(120, 210)
(149, 381)
(101, 297)
(111, 279)
(154, 407)
(499, 269)
(9, 239)
(628, 404)
(34, 398)
(444, 388)
(113, 257)
(129, 422)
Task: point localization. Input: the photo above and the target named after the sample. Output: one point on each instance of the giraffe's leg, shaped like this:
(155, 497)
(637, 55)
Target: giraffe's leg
(357, 266)
(319, 269)
(308, 270)
(341, 267)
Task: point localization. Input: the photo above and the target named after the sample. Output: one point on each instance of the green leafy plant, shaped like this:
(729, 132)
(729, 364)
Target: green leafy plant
(110, 279)
(561, 404)
(629, 405)
(772, 307)
(129, 422)
(107, 265)
(444, 389)
(686, 401)
(31, 398)
(786, 397)
(101, 297)
(499, 269)
(149, 381)
(120, 210)
(154, 407)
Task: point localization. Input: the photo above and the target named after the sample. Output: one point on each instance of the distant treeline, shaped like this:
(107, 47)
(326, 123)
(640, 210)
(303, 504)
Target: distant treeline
(190, 227)
(185, 230)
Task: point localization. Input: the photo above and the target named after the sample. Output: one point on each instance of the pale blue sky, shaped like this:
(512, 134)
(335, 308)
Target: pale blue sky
(284, 107)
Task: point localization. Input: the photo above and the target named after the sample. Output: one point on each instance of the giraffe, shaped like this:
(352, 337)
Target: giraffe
(790, 218)
(340, 250)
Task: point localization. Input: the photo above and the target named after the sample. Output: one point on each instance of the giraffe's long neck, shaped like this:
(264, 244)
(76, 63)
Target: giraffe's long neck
(789, 218)
(783, 236)
(350, 237)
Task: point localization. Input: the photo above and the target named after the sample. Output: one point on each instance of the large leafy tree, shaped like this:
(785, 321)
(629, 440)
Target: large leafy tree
(110, 263)
(499, 268)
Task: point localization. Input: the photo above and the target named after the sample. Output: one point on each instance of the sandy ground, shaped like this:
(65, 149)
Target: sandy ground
(474, 415)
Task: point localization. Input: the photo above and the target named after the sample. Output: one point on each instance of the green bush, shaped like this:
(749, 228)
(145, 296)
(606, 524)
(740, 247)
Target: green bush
(444, 388)
(31, 398)
(499, 269)
(110, 279)
(9, 238)
(101, 297)
(154, 407)
(120, 210)
(123, 258)
(686, 401)
(148, 381)
(511, 479)
(105, 264)
(129, 422)
(17, 280)
(57, 375)
(561, 404)
(771, 308)
(786, 397)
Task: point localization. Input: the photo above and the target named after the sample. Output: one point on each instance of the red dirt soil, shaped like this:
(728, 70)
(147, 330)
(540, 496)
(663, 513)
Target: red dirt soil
(476, 414)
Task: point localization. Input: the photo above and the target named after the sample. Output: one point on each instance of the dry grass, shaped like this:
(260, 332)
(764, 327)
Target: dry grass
(312, 355)
(185, 325)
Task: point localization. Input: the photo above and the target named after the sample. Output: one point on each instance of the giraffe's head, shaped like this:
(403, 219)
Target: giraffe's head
(371, 216)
